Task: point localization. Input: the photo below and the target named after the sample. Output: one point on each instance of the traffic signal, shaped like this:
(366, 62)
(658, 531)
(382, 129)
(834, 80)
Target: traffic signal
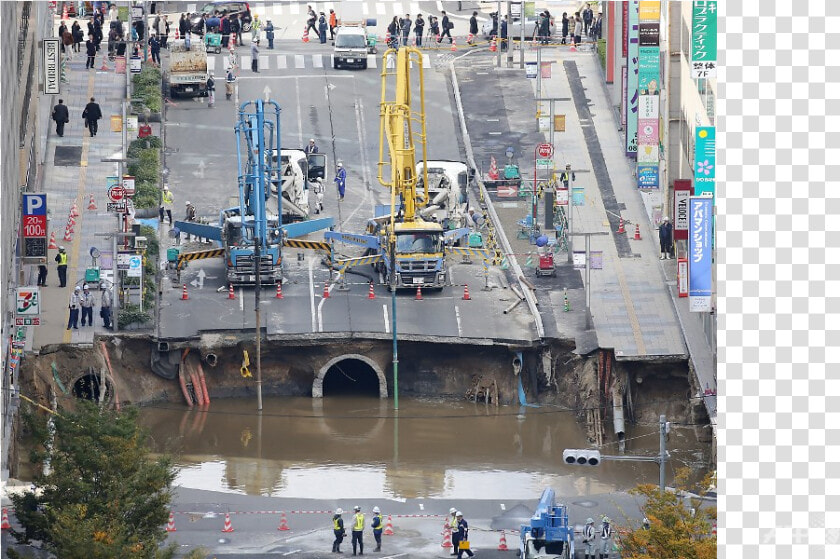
(581, 457)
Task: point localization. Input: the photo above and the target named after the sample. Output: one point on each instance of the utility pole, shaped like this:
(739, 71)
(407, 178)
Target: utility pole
(115, 300)
(257, 289)
(393, 282)
(588, 283)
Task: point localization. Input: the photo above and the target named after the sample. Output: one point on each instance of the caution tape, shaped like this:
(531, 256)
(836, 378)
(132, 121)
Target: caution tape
(464, 251)
(345, 263)
(311, 245)
(210, 253)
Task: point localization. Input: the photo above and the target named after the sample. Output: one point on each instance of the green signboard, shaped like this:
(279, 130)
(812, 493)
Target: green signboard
(704, 39)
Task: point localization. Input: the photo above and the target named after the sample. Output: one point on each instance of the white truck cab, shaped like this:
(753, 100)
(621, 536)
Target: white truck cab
(350, 47)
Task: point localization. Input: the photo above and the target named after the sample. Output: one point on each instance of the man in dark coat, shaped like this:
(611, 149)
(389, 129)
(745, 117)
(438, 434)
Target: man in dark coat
(92, 114)
(183, 26)
(90, 48)
(666, 232)
(446, 27)
(473, 28)
(61, 116)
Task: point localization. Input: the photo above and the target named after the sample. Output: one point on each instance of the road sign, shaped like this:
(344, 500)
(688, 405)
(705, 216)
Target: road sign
(135, 265)
(34, 226)
(116, 193)
(506, 192)
(28, 301)
(544, 163)
(136, 64)
(128, 185)
(545, 150)
(117, 207)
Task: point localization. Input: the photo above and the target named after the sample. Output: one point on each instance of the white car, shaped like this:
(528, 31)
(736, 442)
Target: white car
(515, 25)
(350, 47)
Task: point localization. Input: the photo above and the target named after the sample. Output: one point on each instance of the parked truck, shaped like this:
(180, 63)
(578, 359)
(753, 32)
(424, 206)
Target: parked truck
(187, 74)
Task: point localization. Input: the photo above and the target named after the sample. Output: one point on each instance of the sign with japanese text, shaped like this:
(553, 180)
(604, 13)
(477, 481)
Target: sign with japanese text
(647, 175)
(625, 26)
(648, 140)
(28, 301)
(649, 10)
(649, 34)
(700, 254)
(704, 160)
(52, 66)
(632, 78)
(649, 107)
(128, 184)
(682, 193)
(34, 226)
(704, 39)
(649, 70)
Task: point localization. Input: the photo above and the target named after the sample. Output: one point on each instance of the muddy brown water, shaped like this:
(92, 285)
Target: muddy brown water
(353, 446)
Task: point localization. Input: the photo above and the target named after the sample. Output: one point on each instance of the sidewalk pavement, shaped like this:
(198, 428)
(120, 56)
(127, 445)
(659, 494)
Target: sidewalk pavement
(73, 171)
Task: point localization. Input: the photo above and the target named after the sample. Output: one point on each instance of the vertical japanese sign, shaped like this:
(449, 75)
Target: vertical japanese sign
(34, 227)
(632, 78)
(625, 25)
(647, 168)
(648, 82)
(610, 17)
(704, 39)
(700, 254)
(704, 160)
(682, 193)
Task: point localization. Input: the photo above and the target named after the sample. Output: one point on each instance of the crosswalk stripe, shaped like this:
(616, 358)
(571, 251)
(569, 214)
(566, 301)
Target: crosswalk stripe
(380, 9)
(299, 61)
(281, 61)
(317, 61)
(427, 62)
(371, 60)
(211, 63)
(415, 8)
(264, 61)
(190, 8)
(294, 9)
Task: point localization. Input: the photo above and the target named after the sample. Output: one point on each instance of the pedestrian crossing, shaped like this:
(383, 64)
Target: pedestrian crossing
(268, 62)
(295, 12)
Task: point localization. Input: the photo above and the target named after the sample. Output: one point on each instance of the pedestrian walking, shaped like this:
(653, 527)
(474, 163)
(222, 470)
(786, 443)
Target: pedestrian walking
(256, 26)
(86, 303)
(453, 530)
(311, 20)
(358, 530)
(73, 320)
(340, 180)
(333, 24)
(567, 175)
(61, 116)
(311, 147)
(190, 215)
(666, 232)
(318, 189)
(434, 28)
(183, 26)
(473, 28)
(225, 25)
(236, 30)
(606, 534)
(589, 539)
(105, 306)
(322, 28)
(405, 29)
(211, 90)
(564, 28)
(419, 25)
(90, 49)
(447, 27)
(545, 28)
(255, 57)
(66, 41)
(578, 30)
(338, 530)
(377, 526)
(588, 16)
(91, 115)
(269, 34)
(163, 33)
(42, 275)
(61, 262)
(463, 536)
(78, 36)
(154, 46)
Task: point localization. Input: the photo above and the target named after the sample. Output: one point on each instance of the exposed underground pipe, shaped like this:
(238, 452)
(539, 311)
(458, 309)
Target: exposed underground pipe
(211, 358)
(512, 306)
(618, 415)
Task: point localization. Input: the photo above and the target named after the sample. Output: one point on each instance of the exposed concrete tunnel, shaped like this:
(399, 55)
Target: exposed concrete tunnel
(350, 374)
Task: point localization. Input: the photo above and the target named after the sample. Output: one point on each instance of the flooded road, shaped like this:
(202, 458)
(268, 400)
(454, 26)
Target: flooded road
(343, 447)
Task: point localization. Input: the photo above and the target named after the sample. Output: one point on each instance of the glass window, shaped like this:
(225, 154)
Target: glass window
(350, 40)
(415, 243)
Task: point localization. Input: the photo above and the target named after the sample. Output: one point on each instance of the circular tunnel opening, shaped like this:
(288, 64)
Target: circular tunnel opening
(89, 387)
(351, 377)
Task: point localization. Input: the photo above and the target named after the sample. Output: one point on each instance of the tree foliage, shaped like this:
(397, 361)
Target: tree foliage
(680, 528)
(104, 496)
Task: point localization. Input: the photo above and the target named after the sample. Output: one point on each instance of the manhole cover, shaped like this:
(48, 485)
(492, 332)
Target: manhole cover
(67, 156)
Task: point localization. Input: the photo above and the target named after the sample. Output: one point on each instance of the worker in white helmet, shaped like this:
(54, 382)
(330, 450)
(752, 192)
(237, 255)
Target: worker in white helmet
(589, 539)
(453, 529)
(376, 523)
(338, 530)
(358, 530)
(606, 534)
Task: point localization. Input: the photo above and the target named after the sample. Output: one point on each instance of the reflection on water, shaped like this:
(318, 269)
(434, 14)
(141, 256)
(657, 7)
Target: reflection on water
(360, 447)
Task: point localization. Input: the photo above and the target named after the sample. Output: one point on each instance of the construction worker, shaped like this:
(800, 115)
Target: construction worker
(606, 534)
(463, 536)
(86, 302)
(311, 147)
(338, 530)
(73, 321)
(567, 175)
(453, 529)
(340, 180)
(377, 528)
(61, 260)
(168, 200)
(589, 539)
(358, 530)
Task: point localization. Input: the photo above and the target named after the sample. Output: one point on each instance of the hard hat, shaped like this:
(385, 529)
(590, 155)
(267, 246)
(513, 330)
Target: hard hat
(188, 203)
(311, 140)
(340, 164)
(459, 513)
(61, 249)
(376, 510)
(590, 521)
(339, 511)
(606, 520)
(452, 510)
(665, 218)
(85, 286)
(357, 508)
(77, 288)
(166, 187)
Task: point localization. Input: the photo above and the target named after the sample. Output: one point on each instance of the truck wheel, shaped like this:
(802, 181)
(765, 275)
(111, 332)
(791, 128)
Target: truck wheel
(335, 64)
(364, 65)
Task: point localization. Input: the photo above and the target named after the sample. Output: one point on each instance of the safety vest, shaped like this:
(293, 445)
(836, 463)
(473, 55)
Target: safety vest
(167, 197)
(377, 526)
(605, 532)
(62, 258)
(338, 524)
(358, 522)
(589, 533)
(453, 524)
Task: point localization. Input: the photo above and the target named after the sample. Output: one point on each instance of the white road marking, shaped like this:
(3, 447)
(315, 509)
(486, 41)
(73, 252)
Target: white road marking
(292, 552)
(427, 62)
(190, 7)
(317, 61)
(211, 63)
(380, 8)
(281, 61)
(294, 9)
(264, 61)
(458, 319)
(312, 292)
(398, 555)
(385, 315)
(414, 8)
(371, 60)
(502, 505)
(299, 115)
(421, 506)
(241, 300)
(299, 63)
(360, 132)
(495, 133)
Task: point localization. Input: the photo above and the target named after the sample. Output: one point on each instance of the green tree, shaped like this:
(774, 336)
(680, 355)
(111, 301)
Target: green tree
(679, 528)
(104, 496)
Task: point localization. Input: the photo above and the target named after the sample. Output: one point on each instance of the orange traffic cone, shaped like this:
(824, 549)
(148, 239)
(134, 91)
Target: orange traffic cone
(493, 44)
(470, 38)
(5, 525)
(502, 543)
(638, 235)
(177, 34)
(326, 294)
(184, 294)
(279, 294)
(306, 35)
(446, 526)
(371, 294)
(453, 48)
(228, 526)
(68, 235)
(447, 539)
(170, 527)
(621, 226)
(493, 173)
(283, 526)
(92, 203)
(467, 293)
(389, 528)
(52, 241)
(231, 295)
(419, 296)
